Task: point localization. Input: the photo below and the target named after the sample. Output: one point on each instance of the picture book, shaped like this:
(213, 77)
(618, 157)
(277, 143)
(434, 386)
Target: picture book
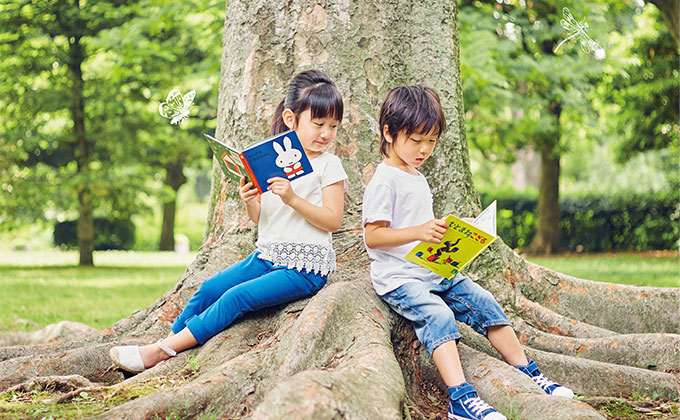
(462, 242)
(278, 156)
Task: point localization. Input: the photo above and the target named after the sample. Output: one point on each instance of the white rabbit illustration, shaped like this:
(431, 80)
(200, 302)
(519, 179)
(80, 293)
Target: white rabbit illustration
(288, 158)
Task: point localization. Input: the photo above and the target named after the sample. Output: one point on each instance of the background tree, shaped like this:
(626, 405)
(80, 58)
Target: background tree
(342, 353)
(644, 91)
(48, 86)
(108, 65)
(520, 94)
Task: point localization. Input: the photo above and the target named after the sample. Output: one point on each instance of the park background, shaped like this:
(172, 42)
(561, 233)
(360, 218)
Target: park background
(610, 130)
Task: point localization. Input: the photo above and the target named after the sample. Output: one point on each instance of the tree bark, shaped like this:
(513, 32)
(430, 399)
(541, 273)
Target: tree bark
(547, 237)
(343, 353)
(83, 154)
(174, 178)
(670, 11)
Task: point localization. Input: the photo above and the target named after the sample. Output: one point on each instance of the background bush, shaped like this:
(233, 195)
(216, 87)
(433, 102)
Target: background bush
(622, 222)
(108, 234)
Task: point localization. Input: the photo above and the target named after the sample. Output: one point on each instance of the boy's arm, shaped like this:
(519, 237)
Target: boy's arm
(379, 235)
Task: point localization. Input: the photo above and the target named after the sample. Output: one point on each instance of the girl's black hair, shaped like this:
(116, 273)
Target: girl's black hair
(313, 90)
(410, 109)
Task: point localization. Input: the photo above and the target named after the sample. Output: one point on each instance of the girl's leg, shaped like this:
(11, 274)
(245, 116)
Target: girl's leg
(281, 285)
(503, 338)
(214, 287)
(152, 353)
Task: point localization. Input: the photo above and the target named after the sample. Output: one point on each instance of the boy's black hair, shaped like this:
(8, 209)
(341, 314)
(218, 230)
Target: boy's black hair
(312, 90)
(410, 109)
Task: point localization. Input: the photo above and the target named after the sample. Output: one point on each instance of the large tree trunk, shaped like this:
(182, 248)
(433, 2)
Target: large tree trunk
(174, 178)
(343, 353)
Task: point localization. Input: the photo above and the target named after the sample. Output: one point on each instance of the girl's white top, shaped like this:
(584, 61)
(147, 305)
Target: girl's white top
(285, 237)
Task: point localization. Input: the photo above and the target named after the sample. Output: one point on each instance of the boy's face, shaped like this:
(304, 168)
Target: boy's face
(409, 152)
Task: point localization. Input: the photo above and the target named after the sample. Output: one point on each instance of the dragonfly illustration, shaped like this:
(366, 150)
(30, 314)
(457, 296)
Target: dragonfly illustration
(176, 107)
(579, 31)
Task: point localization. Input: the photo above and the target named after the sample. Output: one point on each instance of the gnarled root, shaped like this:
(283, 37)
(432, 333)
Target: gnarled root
(621, 308)
(661, 351)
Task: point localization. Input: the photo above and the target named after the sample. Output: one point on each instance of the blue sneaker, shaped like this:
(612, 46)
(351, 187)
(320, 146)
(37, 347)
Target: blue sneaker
(465, 404)
(550, 387)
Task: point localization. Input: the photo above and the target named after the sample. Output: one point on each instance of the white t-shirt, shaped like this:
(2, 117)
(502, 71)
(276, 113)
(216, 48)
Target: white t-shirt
(285, 237)
(403, 200)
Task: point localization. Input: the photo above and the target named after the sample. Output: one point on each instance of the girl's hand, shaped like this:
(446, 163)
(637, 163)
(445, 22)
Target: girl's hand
(432, 231)
(281, 187)
(247, 191)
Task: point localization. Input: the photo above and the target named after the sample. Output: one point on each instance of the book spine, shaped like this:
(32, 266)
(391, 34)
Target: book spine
(251, 175)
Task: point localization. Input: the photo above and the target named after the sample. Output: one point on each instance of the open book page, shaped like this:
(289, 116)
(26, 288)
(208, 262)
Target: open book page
(487, 219)
(228, 159)
(461, 244)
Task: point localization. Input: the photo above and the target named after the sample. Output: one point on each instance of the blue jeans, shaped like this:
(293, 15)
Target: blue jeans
(246, 286)
(434, 308)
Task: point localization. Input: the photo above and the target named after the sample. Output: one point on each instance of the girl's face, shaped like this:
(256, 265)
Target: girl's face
(314, 133)
(408, 152)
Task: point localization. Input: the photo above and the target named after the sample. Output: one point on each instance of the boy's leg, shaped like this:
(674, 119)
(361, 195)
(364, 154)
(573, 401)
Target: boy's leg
(503, 338)
(281, 285)
(435, 326)
(478, 308)
(447, 360)
(214, 287)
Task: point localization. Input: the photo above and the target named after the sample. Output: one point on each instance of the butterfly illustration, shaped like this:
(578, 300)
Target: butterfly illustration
(579, 31)
(176, 107)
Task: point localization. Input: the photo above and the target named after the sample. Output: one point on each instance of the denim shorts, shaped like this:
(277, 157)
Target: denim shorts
(433, 308)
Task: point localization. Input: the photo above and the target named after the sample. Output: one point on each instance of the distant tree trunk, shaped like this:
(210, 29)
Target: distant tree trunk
(547, 238)
(670, 11)
(343, 353)
(83, 154)
(174, 177)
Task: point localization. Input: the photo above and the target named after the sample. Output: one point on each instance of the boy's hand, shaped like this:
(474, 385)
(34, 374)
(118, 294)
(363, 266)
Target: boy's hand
(432, 231)
(247, 191)
(281, 187)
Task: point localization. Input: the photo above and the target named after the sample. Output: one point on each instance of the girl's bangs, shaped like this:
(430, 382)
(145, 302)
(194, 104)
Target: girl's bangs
(325, 101)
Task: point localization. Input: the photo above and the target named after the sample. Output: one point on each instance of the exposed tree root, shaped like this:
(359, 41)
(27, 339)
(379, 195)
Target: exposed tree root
(52, 384)
(589, 377)
(551, 322)
(91, 362)
(621, 308)
(659, 351)
(61, 331)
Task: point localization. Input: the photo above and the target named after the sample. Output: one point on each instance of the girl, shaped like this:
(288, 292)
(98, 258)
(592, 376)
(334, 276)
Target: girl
(293, 254)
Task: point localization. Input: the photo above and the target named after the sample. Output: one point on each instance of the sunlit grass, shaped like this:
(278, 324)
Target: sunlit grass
(647, 269)
(47, 287)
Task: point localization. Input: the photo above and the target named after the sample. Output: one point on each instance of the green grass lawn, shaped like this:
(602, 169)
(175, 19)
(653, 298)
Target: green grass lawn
(41, 288)
(646, 269)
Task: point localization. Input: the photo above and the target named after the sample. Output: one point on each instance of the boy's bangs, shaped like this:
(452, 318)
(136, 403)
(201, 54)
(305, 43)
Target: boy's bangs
(324, 101)
(425, 120)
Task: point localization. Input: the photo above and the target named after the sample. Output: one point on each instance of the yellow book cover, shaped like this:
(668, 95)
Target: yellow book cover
(462, 242)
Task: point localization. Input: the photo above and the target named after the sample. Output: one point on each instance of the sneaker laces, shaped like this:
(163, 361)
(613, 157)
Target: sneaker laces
(477, 405)
(543, 382)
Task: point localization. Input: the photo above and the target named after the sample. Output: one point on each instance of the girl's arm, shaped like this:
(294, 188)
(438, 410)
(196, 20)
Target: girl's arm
(251, 198)
(379, 235)
(327, 217)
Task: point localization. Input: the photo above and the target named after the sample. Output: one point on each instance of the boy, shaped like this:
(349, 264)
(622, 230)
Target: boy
(397, 213)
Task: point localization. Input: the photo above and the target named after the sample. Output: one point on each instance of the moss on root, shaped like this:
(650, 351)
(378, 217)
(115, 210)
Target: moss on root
(41, 404)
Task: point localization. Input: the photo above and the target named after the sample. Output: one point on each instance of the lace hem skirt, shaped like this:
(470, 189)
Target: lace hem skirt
(313, 258)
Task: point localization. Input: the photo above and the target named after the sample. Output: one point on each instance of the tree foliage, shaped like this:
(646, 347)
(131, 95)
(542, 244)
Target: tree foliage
(81, 90)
